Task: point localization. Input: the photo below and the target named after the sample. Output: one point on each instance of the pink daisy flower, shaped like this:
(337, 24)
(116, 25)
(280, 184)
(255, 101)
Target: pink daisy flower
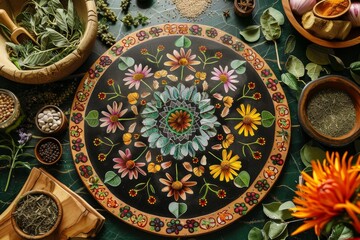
(128, 166)
(181, 59)
(111, 118)
(226, 77)
(137, 75)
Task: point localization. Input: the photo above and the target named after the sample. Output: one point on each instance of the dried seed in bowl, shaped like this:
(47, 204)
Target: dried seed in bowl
(7, 106)
(49, 151)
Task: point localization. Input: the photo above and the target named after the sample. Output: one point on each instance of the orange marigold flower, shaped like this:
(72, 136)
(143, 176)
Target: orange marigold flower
(328, 193)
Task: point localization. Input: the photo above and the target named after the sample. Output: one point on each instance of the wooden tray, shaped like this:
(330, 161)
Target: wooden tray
(80, 220)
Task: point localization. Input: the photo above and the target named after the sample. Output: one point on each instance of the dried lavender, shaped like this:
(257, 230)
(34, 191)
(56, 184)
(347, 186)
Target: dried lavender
(105, 15)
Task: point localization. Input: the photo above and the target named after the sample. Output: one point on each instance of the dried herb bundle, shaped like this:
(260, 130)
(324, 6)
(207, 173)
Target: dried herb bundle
(36, 214)
(57, 29)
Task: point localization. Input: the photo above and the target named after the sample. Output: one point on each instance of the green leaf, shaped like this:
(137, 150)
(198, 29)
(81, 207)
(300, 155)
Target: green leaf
(286, 205)
(355, 76)
(277, 15)
(61, 19)
(276, 229)
(70, 17)
(239, 66)
(26, 155)
(318, 54)
(251, 33)
(341, 232)
(294, 66)
(336, 63)
(270, 26)
(56, 38)
(177, 209)
(255, 234)
(22, 164)
(6, 147)
(242, 179)
(267, 118)
(5, 157)
(183, 42)
(313, 70)
(125, 63)
(290, 44)
(272, 211)
(290, 80)
(112, 179)
(310, 151)
(92, 118)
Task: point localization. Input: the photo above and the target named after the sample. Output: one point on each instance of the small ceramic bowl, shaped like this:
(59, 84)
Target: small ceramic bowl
(48, 150)
(9, 108)
(333, 82)
(51, 120)
(244, 8)
(36, 193)
(320, 12)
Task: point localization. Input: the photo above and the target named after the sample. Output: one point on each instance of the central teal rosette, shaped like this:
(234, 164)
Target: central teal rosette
(179, 121)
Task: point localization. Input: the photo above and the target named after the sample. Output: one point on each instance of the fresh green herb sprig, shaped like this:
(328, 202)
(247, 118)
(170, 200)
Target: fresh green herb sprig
(124, 6)
(104, 34)
(106, 16)
(58, 31)
(105, 12)
(16, 153)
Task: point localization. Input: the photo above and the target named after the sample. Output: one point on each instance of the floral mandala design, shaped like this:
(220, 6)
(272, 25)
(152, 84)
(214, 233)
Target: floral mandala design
(185, 118)
(179, 129)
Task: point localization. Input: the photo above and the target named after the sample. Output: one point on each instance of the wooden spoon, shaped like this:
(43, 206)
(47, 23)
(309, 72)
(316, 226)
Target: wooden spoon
(19, 35)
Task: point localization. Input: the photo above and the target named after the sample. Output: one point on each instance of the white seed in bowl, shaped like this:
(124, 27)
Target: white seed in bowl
(49, 120)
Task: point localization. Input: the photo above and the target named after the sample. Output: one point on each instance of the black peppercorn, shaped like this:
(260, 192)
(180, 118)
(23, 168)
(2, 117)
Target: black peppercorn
(48, 151)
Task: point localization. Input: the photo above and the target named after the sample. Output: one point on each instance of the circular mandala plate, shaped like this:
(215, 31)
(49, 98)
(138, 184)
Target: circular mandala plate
(179, 129)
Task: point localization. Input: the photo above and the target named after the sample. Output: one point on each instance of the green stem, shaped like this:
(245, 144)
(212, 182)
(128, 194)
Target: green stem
(146, 84)
(215, 156)
(140, 154)
(216, 87)
(277, 55)
(11, 168)
(234, 119)
(126, 119)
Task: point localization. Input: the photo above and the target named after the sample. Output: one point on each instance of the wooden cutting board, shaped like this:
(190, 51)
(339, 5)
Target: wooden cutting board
(80, 220)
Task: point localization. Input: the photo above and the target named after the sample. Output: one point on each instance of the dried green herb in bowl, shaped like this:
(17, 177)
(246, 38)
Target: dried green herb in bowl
(56, 28)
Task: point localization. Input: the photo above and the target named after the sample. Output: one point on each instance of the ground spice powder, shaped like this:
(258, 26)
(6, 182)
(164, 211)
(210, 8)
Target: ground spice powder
(191, 8)
(333, 7)
(331, 112)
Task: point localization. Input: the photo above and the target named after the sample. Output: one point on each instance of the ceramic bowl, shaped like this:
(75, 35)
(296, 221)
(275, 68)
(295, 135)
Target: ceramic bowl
(317, 10)
(48, 150)
(24, 235)
(9, 102)
(351, 40)
(43, 121)
(86, 9)
(330, 82)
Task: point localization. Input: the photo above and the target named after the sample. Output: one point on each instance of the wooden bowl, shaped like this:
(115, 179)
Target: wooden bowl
(49, 128)
(317, 10)
(243, 10)
(86, 9)
(330, 82)
(24, 235)
(48, 150)
(12, 105)
(352, 39)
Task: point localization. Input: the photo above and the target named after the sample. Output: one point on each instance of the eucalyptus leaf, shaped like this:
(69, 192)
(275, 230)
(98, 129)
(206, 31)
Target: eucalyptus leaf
(272, 211)
(290, 80)
(255, 234)
(336, 63)
(270, 26)
(318, 54)
(183, 42)
(294, 66)
(267, 118)
(125, 63)
(92, 118)
(239, 66)
(277, 15)
(313, 70)
(251, 33)
(276, 229)
(290, 44)
(341, 232)
(112, 179)
(310, 152)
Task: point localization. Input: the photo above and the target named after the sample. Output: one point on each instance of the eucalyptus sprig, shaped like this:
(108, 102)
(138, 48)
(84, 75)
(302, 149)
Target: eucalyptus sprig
(16, 155)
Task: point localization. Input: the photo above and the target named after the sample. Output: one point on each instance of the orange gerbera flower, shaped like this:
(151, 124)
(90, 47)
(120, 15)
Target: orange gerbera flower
(328, 193)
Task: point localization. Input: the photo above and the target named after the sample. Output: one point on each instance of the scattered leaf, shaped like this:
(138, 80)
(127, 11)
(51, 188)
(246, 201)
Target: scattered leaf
(318, 54)
(251, 33)
(255, 234)
(270, 26)
(336, 63)
(242, 179)
(294, 66)
(286, 205)
(277, 15)
(310, 152)
(276, 229)
(313, 70)
(290, 44)
(183, 42)
(177, 209)
(272, 211)
(239, 66)
(341, 232)
(92, 118)
(290, 80)
(112, 179)
(267, 118)
(125, 63)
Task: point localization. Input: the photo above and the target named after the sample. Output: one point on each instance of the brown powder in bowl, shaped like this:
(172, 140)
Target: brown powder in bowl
(191, 8)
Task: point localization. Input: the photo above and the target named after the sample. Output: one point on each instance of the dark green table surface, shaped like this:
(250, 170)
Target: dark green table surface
(164, 11)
